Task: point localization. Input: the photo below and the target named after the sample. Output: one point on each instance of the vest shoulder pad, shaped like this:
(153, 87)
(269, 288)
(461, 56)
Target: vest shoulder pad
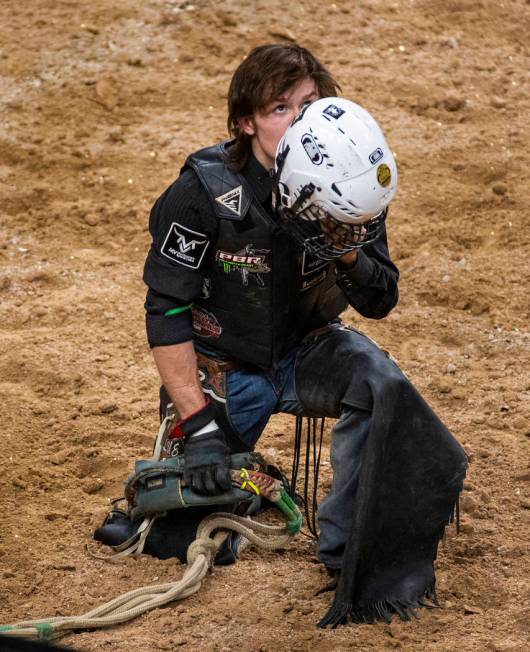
(229, 193)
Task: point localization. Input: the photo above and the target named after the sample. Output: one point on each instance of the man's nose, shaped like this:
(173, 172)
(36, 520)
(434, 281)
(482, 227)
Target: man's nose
(297, 111)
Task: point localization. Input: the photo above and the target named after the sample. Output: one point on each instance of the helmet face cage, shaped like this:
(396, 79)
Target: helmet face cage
(322, 235)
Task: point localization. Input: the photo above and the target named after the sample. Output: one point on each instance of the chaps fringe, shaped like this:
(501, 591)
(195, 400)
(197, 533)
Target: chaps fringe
(380, 610)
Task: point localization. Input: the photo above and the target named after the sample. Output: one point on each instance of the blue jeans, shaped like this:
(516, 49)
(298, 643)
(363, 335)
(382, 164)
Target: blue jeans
(303, 384)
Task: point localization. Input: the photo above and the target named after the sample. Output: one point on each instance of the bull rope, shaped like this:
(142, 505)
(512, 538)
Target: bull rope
(200, 556)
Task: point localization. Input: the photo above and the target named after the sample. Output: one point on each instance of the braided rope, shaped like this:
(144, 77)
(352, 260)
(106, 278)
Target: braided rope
(277, 536)
(200, 556)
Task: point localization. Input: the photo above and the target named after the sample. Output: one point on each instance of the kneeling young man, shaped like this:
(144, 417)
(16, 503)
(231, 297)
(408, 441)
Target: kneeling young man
(245, 291)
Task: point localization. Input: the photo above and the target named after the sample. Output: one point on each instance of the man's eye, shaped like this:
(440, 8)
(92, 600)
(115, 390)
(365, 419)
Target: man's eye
(279, 108)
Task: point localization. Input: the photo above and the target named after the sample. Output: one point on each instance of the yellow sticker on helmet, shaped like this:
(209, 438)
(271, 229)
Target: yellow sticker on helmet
(384, 175)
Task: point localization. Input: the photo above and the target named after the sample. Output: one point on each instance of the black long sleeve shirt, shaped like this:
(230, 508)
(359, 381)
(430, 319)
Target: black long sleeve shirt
(370, 285)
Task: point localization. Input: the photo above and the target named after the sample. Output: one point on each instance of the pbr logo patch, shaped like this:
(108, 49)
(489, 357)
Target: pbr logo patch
(185, 246)
(249, 262)
(333, 111)
(205, 323)
(232, 200)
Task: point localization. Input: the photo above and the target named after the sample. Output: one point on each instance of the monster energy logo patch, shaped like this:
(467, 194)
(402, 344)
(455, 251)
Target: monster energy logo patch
(249, 262)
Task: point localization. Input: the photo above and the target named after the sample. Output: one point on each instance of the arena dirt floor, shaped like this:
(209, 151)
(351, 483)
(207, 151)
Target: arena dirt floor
(100, 102)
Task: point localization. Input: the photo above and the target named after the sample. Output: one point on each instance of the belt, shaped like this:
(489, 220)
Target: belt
(215, 365)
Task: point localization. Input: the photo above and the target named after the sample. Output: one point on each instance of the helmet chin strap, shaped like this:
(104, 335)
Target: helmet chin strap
(304, 195)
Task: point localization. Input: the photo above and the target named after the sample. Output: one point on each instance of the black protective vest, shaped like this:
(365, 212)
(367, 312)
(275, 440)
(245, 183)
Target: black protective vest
(261, 294)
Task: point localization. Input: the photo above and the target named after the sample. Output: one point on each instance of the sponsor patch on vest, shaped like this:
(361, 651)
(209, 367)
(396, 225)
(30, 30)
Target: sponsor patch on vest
(333, 111)
(249, 262)
(205, 323)
(314, 270)
(232, 199)
(185, 246)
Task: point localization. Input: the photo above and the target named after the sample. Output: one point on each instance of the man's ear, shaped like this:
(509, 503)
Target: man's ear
(247, 126)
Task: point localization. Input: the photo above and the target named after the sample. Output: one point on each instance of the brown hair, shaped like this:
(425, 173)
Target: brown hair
(266, 74)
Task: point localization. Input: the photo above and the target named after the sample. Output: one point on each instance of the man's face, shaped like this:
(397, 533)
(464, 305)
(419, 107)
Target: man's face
(266, 127)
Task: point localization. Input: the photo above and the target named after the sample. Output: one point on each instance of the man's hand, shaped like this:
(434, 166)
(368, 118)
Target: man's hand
(206, 461)
(206, 455)
(343, 235)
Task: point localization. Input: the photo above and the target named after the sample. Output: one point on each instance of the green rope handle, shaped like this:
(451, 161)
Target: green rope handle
(293, 515)
(44, 630)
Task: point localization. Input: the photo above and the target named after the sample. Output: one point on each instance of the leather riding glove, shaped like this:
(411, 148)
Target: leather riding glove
(206, 454)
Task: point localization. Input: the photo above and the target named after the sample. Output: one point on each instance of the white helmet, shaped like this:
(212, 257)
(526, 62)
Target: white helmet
(334, 178)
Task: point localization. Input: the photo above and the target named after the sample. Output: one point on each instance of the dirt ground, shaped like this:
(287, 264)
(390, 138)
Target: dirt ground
(100, 102)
